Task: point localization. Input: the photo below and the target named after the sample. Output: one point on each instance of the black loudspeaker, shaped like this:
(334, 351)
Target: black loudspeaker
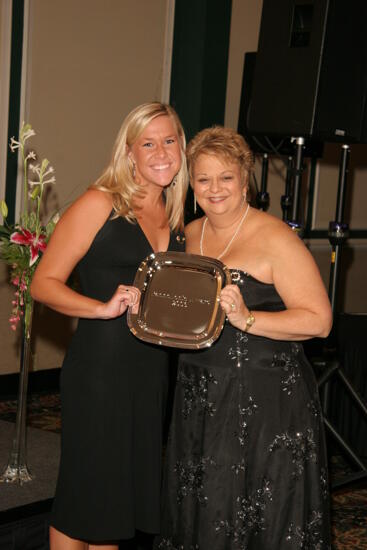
(310, 76)
(280, 145)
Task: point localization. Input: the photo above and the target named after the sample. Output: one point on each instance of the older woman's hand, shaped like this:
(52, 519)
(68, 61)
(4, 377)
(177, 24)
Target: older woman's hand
(234, 307)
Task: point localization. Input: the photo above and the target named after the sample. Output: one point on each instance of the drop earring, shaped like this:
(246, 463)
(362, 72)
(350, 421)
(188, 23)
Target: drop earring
(133, 170)
(195, 207)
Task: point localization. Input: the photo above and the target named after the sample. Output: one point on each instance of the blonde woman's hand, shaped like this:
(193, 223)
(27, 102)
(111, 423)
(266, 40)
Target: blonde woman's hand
(125, 296)
(234, 307)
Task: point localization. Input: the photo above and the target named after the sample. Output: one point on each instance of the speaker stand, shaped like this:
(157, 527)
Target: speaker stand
(338, 234)
(262, 197)
(294, 223)
(286, 199)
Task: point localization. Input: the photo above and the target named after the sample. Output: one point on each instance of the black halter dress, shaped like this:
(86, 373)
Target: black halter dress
(113, 392)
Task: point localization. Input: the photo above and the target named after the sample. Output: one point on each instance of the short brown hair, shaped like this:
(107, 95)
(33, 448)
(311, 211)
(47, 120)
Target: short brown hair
(222, 142)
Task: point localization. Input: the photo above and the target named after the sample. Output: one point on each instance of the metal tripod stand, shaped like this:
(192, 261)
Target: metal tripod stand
(286, 199)
(262, 197)
(338, 234)
(292, 201)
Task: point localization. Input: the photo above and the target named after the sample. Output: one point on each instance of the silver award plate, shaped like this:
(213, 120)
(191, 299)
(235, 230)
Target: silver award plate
(179, 305)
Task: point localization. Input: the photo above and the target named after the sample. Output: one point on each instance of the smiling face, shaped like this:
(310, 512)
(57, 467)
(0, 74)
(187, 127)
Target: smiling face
(157, 153)
(218, 185)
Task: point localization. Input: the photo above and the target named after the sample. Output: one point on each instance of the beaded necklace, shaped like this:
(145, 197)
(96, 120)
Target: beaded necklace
(232, 238)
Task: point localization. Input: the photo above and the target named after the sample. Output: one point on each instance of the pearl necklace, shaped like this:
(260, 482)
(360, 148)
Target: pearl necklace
(232, 238)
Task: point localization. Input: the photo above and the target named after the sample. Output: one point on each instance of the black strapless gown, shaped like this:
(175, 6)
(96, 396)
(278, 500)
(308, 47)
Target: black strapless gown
(246, 463)
(113, 394)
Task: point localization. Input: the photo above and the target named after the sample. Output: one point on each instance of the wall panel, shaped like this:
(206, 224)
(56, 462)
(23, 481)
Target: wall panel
(89, 62)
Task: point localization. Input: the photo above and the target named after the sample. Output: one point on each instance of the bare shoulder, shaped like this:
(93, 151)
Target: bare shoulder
(275, 233)
(92, 199)
(193, 228)
(192, 234)
(91, 208)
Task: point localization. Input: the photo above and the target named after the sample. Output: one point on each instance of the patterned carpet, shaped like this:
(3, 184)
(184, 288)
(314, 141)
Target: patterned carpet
(349, 505)
(348, 510)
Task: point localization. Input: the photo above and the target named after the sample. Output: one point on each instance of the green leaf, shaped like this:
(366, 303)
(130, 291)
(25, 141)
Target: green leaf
(4, 208)
(4, 231)
(44, 165)
(35, 192)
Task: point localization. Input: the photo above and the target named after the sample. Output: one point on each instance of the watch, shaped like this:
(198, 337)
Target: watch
(249, 321)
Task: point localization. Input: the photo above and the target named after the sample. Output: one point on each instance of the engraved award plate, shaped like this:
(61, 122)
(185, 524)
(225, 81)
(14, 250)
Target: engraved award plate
(179, 305)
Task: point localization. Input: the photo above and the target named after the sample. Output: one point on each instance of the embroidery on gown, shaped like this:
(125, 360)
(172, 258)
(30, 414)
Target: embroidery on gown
(249, 516)
(244, 413)
(313, 407)
(196, 392)
(239, 351)
(324, 483)
(191, 478)
(169, 545)
(239, 467)
(301, 445)
(310, 537)
(233, 431)
(237, 277)
(289, 363)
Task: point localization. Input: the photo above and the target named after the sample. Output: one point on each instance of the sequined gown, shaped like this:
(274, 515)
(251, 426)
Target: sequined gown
(113, 400)
(246, 464)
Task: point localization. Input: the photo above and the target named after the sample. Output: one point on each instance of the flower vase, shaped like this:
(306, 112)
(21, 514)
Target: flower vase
(17, 470)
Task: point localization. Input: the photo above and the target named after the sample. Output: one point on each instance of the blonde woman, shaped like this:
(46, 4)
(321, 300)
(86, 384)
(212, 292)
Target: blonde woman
(246, 465)
(113, 387)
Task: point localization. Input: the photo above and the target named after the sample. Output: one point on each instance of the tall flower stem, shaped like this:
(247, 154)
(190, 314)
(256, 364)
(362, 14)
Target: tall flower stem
(25, 185)
(17, 470)
(21, 246)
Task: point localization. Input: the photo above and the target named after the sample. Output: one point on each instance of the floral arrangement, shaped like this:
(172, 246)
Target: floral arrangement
(22, 243)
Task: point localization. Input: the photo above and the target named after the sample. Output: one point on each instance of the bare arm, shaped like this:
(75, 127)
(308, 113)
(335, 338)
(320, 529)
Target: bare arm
(70, 241)
(298, 282)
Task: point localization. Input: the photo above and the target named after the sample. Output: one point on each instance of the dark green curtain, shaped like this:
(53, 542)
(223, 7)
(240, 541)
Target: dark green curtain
(14, 102)
(200, 66)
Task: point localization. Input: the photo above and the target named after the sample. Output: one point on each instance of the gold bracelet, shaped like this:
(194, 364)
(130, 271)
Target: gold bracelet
(249, 321)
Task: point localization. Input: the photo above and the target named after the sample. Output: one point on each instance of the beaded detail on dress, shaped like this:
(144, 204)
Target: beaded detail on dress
(245, 464)
(301, 445)
(310, 536)
(195, 390)
(191, 476)
(249, 516)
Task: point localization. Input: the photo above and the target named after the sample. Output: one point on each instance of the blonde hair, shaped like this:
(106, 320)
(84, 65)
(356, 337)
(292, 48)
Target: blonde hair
(117, 179)
(224, 143)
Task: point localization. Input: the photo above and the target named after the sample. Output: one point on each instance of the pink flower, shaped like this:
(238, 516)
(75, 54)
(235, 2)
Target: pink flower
(14, 319)
(23, 285)
(26, 238)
